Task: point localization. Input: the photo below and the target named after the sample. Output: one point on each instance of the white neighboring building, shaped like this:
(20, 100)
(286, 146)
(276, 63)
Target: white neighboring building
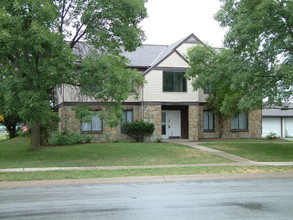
(277, 121)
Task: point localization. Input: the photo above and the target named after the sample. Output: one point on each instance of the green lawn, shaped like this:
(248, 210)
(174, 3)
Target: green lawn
(256, 150)
(14, 154)
(89, 174)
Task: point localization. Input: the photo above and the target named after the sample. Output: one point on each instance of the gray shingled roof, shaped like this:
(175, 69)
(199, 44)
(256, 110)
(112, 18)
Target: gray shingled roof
(145, 55)
(278, 112)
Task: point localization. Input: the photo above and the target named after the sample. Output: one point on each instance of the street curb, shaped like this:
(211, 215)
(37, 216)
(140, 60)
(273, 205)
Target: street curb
(143, 179)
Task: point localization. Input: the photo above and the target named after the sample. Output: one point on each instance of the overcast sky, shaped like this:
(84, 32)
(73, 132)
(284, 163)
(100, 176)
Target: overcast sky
(171, 20)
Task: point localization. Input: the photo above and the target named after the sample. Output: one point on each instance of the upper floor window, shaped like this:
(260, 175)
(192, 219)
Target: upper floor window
(207, 90)
(94, 126)
(208, 121)
(240, 122)
(127, 117)
(174, 82)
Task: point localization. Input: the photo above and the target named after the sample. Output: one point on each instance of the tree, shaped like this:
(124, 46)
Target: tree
(256, 64)
(30, 55)
(227, 77)
(261, 32)
(35, 54)
(9, 113)
(107, 79)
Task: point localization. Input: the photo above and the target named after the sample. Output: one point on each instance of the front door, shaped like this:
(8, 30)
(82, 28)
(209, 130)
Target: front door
(171, 124)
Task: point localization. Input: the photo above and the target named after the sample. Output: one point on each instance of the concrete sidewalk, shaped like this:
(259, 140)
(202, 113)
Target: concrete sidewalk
(144, 179)
(238, 161)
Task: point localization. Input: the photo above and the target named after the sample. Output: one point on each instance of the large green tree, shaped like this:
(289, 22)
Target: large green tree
(262, 31)
(256, 64)
(35, 53)
(226, 77)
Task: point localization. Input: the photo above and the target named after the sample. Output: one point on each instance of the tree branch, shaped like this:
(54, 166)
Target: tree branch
(64, 12)
(77, 36)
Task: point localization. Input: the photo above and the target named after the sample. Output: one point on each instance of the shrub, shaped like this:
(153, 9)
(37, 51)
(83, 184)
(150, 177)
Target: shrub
(87, 138)
(272, 135)
(139, 130)
(65, 138)
(159, 140)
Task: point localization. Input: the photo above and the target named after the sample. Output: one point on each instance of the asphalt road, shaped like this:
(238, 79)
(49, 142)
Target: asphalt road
(217, 199)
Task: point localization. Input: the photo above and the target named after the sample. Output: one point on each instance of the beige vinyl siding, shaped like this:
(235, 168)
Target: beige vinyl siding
(58, 92)
(202, 96)
(133, 98)
(174, 60)
(73, 94)
(184, 47)
(153, 90)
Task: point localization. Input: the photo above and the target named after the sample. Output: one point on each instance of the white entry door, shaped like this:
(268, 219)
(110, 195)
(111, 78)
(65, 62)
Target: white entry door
(171, 124)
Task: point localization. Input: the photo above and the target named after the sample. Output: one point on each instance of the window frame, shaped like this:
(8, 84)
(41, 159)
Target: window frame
(125, 118)
(184, 86)
(91, 122)
(238, 122)
(213, 120)
(207, 90)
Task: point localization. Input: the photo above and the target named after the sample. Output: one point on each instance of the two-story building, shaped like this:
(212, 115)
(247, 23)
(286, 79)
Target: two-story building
(167, 99)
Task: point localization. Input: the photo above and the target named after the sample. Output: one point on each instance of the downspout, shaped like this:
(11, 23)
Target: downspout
(62, 107)
(142, 103)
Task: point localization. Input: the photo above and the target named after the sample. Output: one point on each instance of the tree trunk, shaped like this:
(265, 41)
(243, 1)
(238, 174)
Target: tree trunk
(221, 123)
(11, 128)
(35, 136)
(12, 132)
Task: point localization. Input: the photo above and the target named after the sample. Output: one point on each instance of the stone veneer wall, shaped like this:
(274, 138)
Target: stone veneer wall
(193, 119)
(153, 114)
(254, 127)
(73, 124)
(207, 134)
(68, 119)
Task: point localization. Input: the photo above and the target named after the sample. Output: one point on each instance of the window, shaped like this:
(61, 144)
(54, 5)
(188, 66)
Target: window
(164, 123)
(207, 90)
(174, 82)
(240, 122)
(208, 121)
(127, 117)
(94, 126)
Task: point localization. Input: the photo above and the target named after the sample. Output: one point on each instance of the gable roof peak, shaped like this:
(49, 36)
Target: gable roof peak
(172, 48)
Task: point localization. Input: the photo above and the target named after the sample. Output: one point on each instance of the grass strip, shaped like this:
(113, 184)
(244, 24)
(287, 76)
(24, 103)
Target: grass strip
(274, 151)
(89, 174)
